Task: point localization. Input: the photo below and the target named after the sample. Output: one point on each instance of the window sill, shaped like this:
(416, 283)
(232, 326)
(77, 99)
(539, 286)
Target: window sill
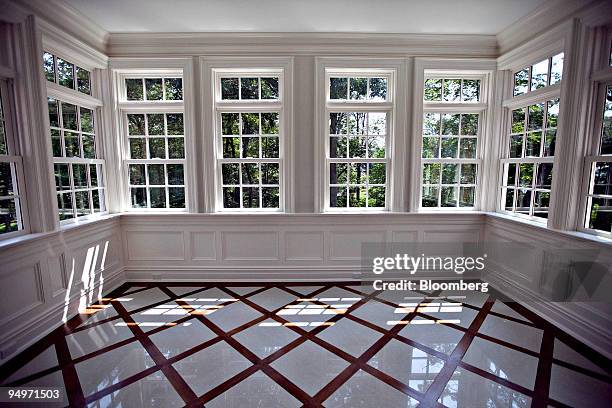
(543, 227)
(27, 238)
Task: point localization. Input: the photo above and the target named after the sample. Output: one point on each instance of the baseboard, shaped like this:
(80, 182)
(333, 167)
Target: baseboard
(576, 319)
(41, 325)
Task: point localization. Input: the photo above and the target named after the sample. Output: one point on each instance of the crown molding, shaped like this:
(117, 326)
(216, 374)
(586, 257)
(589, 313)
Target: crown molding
(151, 44)
(60, 15)
(543, 18)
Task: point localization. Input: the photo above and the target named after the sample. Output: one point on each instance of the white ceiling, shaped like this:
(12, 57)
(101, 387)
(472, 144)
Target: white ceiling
(386, 16)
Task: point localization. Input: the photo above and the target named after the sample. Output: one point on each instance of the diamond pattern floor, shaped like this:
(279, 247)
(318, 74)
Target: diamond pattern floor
(315, 345)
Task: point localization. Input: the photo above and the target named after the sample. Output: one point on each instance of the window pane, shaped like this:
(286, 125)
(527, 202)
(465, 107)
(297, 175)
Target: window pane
(64, 205)
(62, 177)
(176, 148)
(231, 147)
(154, 89)
(177, 197)
(377, 173)
(175, 123)
(338, 88)
(231, 197)
(358, 88)
(535, 118)
(137, 174)
(87, 120)
(269, 147)
(448, 196)
(378, 89)
(82, 203)
(174, 89)
(269, 123)
(451, 89)
(89, 146)
(79, 174)
(337, 197)
(230, 124)
(450, 173)
(470, 91)
(338, 123)
(250, 147)
(532, 144)
(606, 129)
(338, 173)
(357, 147)
(6, 179)
(229, 88)
(449, 147)
(53, 112)
(134, 89)
(157, 176)
(431, 173)
(600, 217)
(467, 148)
(83, 80)
(358, 173)
(377, 123)
(603, 179)
(430, 196)
(49, 66)
(556, 70)
(450, 124)
(250, 173)
(544, 175)
(466, 196)
(157, 148)
(230, 173)
(269, 173)
(357, 196)
(431, 124)
(376, 196)
(56, 142)
(155, 123)
(269, 88)
(69, 116)
(93, 175)
(139, 197)
(430, 147)
(136, 124)
(376, 147)
(521, 80)
(73, 149)
(250, 197)
(468, 174)
(433, 90)
(158, 197)
(526, 174)
(249, 88)
(539, 74)
(270, 197)
(138, 148)
(65, 73)
(541, 203)
(469, 124)
(250, 123)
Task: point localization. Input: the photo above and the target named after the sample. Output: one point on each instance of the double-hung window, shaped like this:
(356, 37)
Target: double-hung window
(249, 139)
(598, 216)
(453, 108)
(12, 220)
(532, 114)
(359, 107)
(76, 147)
(152, 111)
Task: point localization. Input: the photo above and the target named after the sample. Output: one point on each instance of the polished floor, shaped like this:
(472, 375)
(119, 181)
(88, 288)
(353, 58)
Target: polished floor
(329, 344)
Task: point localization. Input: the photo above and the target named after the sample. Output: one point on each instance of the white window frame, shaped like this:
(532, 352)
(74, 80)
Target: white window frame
(210, 72)
(456, 108)
(451, 68)
(248, 106)
(13, 157)
(510, 103)
(93, 102)
(601, 79)
(124, 68)
(395, 69)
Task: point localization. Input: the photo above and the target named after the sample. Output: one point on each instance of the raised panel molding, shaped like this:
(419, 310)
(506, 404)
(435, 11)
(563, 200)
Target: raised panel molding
(57, 274)
(155, 245)
(405, 236)
(26, 292)
(250, 246)
(203, 246)
(304, 246)
(346, 245)
(452, 235)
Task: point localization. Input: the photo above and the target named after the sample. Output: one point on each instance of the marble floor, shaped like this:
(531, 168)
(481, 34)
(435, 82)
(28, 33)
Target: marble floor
(331, 344)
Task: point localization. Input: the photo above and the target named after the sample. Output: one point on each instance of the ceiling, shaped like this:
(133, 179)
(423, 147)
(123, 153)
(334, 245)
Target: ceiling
(359, 16)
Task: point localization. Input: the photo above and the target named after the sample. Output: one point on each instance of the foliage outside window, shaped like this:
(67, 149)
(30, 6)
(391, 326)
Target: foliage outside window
(11, 220)
(599, 199)
(154, 89)
(357, 158)
(79, 173)
(66, 74)
(249, 141)
(527, 173)
(449, 154)
(540, 75)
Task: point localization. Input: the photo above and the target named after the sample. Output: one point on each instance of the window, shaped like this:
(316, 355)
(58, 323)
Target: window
(542, 74)
(599, 198)
(67, 74)
(153, 115)
(249, 140)
(450, 150)
(359, 106)
(527, 166)
(79, 172)
(78, 167)
(11, 176)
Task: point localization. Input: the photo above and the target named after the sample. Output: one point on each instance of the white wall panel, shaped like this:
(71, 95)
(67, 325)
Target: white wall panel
(304, 246)
(250, 246)
(203, 246)
(155, 245)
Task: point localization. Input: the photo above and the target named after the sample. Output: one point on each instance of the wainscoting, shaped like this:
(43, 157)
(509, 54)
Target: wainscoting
(46, 279)
(52, 275)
